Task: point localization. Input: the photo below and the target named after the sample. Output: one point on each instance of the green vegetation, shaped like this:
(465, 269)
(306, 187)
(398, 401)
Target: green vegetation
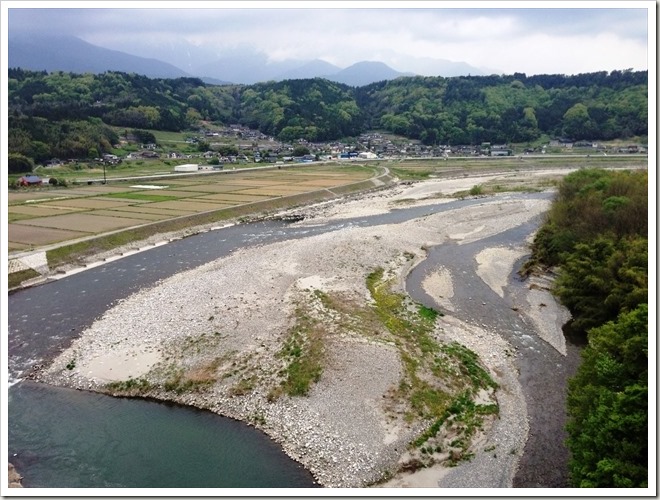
(196, 376)
(181, 381)
(18, 163)
(130, 387)
(593, 202)
(608, 405)
(15, 279)
(596, 232)
(509, 108)
(67, 115)
(141, 196)
(303, 353)
(428, 313)
(411, 173)
(440, 380)
(439, 383)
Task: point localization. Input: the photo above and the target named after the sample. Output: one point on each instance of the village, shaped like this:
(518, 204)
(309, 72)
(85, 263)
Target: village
(213, 147)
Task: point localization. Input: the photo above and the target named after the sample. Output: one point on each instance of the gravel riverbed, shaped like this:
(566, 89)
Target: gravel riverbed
(229, 319)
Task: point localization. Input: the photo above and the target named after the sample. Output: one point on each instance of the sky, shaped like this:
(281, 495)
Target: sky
(502, 37)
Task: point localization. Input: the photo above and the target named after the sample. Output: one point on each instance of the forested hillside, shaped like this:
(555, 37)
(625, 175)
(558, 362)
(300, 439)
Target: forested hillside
(435, 110)
(597, 233)
(506, 109)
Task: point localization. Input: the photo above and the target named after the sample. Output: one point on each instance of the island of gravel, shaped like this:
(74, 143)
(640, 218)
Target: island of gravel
(225, 335)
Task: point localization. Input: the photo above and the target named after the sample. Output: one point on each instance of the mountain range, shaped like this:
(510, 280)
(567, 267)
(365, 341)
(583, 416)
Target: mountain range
(243, 66)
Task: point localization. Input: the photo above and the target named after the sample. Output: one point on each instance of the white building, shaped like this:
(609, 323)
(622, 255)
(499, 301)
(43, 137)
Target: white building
(188, 167)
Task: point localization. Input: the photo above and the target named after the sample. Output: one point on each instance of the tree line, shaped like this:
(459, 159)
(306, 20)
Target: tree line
(596, 232)
(436, 110)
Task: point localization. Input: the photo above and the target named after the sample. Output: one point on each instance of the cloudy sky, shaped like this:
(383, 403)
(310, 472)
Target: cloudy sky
(504, 37)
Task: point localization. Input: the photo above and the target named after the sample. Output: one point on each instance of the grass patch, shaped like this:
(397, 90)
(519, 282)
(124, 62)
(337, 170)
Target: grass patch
(428, 313)
(180, 380)
(303, 353)
(468, 364)
(14, 217)
(15, 279)
(243, 386)
(411, 173)
(130, 387)
(411, 333)
(141, 196)
(440, 381)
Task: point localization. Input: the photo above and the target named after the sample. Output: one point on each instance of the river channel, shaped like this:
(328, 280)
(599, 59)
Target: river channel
(64, 438)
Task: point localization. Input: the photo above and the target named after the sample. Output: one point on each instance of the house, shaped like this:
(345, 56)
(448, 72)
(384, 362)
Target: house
(111, 159)
(500, 150)
(55, 162)
(29, 180)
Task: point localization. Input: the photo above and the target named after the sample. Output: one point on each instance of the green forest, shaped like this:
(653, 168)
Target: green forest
(68, 115)
(596, 232)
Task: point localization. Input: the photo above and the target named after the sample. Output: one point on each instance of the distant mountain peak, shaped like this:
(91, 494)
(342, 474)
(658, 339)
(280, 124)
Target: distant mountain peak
(311, 69)
(71, 54)
(366, 72)
(62, 52)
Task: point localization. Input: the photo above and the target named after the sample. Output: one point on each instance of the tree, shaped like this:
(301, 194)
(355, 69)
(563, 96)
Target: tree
(39, 151)
(300, 150)
(192, 118)
(447, 110)
(601, 278)
(577, 123)
(144, 136)
(597, 234)
(227, 150)
(608, 406)
(19, 164)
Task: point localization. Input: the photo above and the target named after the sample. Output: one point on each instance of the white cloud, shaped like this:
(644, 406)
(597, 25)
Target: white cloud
(519, 37)
(542, 53)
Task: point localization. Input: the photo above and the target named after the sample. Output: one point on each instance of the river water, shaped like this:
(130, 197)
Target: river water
(64, 438)
(543, 372)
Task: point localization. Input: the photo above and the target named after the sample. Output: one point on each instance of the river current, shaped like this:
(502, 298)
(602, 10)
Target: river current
(61, 438)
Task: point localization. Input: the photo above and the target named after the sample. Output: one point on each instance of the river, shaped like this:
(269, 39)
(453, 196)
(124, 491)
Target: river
(64, 438)
(543, 372)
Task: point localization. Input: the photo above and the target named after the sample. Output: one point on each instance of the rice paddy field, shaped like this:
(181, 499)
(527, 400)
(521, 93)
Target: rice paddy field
(53, 216)
(43, 216)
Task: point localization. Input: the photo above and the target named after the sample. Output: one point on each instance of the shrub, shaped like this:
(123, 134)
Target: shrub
(19, 164)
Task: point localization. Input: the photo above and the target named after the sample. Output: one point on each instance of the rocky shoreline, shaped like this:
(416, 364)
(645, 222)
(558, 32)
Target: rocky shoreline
(14, 478)
(229, 319)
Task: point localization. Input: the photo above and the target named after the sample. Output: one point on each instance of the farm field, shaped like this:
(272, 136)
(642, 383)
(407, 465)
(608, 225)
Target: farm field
(47, 216)
(50, 217)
